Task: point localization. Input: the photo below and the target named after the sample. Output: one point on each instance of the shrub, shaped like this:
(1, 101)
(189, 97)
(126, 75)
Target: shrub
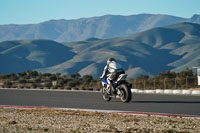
(22, 81)
(75, 76)
(7, 84)
(48, 84)
(33, 85)
(87, 79)
(73, 83)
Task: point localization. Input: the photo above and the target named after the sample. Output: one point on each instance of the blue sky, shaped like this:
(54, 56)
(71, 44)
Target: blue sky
(35, 11)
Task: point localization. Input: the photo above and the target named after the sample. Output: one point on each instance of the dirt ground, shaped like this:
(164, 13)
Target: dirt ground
(62, 121)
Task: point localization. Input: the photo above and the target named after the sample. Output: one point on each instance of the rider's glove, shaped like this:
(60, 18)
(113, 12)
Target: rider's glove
(101, 77)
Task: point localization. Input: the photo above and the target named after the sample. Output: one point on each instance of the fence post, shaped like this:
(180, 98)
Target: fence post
(186, 84)
(175, 83)
(154, 84)
(144, 83)
(164, 84)
(135, 83)
(195, 83)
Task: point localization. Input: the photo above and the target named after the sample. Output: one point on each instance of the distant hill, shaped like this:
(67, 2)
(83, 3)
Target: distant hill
(17, 56)
(181, 39)
(102, 27)
(173, 47)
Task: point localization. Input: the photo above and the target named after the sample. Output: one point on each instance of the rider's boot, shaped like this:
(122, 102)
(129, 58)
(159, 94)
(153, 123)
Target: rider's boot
(113, 90)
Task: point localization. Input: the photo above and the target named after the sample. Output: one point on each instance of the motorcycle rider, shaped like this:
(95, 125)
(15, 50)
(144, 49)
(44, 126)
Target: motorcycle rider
(111, 72)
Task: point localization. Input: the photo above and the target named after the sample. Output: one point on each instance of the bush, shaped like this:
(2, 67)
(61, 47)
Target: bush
(7, 84)
(73, 83)
(185, 73)
(67, 88)
(48, 84)
(167, 80)
(143, 77)
(22, 81)
(75, 76)
(55, 87)
(33, 85)
(167, 74)
(87, 79)
(53, 77)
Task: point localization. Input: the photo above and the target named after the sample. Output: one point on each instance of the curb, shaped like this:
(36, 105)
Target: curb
(167, 91)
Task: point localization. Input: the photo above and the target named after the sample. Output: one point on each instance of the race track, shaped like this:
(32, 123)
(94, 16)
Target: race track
(173, 104)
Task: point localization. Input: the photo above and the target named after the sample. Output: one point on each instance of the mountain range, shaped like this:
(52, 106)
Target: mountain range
(174, 47)
(103, 27)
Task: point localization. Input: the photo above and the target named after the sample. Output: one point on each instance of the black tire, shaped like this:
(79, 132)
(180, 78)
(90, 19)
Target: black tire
(126, 93)
(106, 96)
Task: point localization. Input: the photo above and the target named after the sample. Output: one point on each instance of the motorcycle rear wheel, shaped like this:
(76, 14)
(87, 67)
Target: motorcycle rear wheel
(126, 93)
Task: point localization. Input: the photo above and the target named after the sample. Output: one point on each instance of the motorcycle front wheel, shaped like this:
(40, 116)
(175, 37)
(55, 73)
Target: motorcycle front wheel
(105, 95)
(126, 94)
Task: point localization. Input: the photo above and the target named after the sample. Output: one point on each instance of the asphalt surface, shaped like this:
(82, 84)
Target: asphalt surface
(173, 104)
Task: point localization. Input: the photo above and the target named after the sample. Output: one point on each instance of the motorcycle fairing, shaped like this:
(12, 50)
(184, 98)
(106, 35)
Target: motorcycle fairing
(104, 81)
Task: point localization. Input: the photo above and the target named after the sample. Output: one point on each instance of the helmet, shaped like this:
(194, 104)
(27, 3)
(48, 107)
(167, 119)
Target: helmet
(110, 60)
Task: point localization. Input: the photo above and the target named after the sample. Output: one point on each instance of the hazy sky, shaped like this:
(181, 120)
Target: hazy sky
(35, 11)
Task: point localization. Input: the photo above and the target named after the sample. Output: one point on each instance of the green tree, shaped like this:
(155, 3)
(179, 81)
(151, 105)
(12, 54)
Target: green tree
(22, 81)
(7, 84)
(143, 77)
(63, 81)
(34, 74)
(58, 75)
(53, 77)
(73, 83)
(48, 84)
(185, 73)
(47, 74)
(12, 77)
(75, 76)
(33, 85)
(87, 79)
(22, 74)
(38, 79)
(167, 74)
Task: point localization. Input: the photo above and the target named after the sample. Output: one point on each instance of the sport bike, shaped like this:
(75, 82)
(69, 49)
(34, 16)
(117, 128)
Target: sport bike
(123, 89)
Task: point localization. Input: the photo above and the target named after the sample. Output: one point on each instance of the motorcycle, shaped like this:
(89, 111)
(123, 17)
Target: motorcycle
(123, 89)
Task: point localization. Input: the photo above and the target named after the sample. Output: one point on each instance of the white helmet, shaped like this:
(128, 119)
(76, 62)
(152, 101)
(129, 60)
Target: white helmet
(110, 60)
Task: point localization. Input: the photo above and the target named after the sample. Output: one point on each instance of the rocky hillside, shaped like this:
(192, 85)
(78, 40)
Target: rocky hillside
(18, 56)
(173, 47)
(103, 27)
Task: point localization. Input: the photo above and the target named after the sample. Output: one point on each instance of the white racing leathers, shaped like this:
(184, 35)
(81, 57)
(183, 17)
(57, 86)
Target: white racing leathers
(110, 71)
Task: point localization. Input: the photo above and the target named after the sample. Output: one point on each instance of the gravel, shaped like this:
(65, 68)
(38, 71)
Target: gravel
(63, 121)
